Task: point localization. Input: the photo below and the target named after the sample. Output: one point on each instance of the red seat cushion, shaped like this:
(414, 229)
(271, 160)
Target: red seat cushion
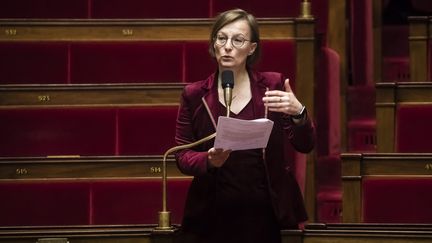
(278, 56)
(128, 9)
(198, 62)
(43, 9)
(413, 128)
(273, 8)
(137, 201)
(57, 131)
(39, 203)
(397, 200)
(33, 63)
(146, 130)
(126, 62)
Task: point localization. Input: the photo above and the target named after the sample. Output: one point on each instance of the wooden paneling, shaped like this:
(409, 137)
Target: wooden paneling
(418, 47)
(90, 95)
(133, 30)
(70, 167)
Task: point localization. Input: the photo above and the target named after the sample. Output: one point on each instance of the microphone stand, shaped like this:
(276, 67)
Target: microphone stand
(228, 99)
(164, 215)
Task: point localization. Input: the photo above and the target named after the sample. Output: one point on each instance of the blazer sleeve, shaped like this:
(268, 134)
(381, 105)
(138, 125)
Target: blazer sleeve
(301, 136)
(189, 161)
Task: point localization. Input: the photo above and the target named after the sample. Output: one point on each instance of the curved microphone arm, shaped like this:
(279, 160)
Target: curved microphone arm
(164, 215)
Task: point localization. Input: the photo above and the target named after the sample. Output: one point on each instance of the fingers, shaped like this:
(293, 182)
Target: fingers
(217, 157)
(282, 101)
(287, 85)
(281, 93)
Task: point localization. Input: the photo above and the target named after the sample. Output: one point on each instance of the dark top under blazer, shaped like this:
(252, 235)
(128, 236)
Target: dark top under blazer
(194, 123)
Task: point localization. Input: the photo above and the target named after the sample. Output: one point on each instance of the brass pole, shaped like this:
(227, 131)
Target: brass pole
(305, 11)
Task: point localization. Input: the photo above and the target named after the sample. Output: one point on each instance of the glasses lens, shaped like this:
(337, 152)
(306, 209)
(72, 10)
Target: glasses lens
(238, 41)
(221, 40)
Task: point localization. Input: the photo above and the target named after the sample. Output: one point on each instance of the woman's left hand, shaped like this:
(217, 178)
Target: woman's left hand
(283, 101)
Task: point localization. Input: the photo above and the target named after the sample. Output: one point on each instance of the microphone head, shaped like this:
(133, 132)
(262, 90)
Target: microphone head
(227, 79)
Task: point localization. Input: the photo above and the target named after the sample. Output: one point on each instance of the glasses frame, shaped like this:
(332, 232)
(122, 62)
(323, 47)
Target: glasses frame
(215, 40)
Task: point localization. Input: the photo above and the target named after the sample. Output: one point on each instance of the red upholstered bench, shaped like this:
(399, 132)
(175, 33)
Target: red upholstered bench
(44, 202)
(57, 131)
(33, 63)
(278, 56)
(397, 200)
(146, 130)
(89, 202)
(273, 8)
(136, 9)
(126, 62)
(137, 201)
(198, 63)
(85, 131)
(48, 9)
(413, 128)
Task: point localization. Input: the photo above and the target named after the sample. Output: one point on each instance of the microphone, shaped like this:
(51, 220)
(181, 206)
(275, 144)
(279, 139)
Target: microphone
(228, 85)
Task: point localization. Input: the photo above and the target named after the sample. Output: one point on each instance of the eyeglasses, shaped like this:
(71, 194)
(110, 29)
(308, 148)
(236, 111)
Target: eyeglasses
(237, 41)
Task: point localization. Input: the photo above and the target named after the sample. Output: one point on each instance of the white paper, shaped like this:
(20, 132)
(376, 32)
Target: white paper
(236, 134)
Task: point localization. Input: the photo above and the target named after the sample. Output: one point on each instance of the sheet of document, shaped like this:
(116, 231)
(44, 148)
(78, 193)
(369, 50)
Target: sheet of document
(236, 134)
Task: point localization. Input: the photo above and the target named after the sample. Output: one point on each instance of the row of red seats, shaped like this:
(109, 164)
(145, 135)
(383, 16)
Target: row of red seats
(87, 131)
(412, 132)
(140, 9)
(124, 62)
(89, 202)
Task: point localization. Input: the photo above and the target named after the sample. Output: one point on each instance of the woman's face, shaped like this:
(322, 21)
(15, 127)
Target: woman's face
(232, 45)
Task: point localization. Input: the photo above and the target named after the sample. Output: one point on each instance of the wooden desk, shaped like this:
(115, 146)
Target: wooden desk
(316, 233)
(97, 167)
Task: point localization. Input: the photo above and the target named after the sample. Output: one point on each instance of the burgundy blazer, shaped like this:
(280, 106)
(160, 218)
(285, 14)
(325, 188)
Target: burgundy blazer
(194, 123)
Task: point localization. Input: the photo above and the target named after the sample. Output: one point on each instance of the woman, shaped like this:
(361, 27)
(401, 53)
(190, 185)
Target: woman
(249, 195)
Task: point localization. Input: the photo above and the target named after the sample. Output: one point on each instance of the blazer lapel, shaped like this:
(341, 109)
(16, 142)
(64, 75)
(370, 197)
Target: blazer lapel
(211, 97)
(258, 89)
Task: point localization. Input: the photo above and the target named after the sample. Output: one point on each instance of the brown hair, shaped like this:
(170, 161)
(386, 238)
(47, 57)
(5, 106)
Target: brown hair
(231, 16)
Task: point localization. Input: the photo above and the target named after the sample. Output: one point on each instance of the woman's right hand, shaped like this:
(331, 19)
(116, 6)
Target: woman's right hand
(217, 157)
